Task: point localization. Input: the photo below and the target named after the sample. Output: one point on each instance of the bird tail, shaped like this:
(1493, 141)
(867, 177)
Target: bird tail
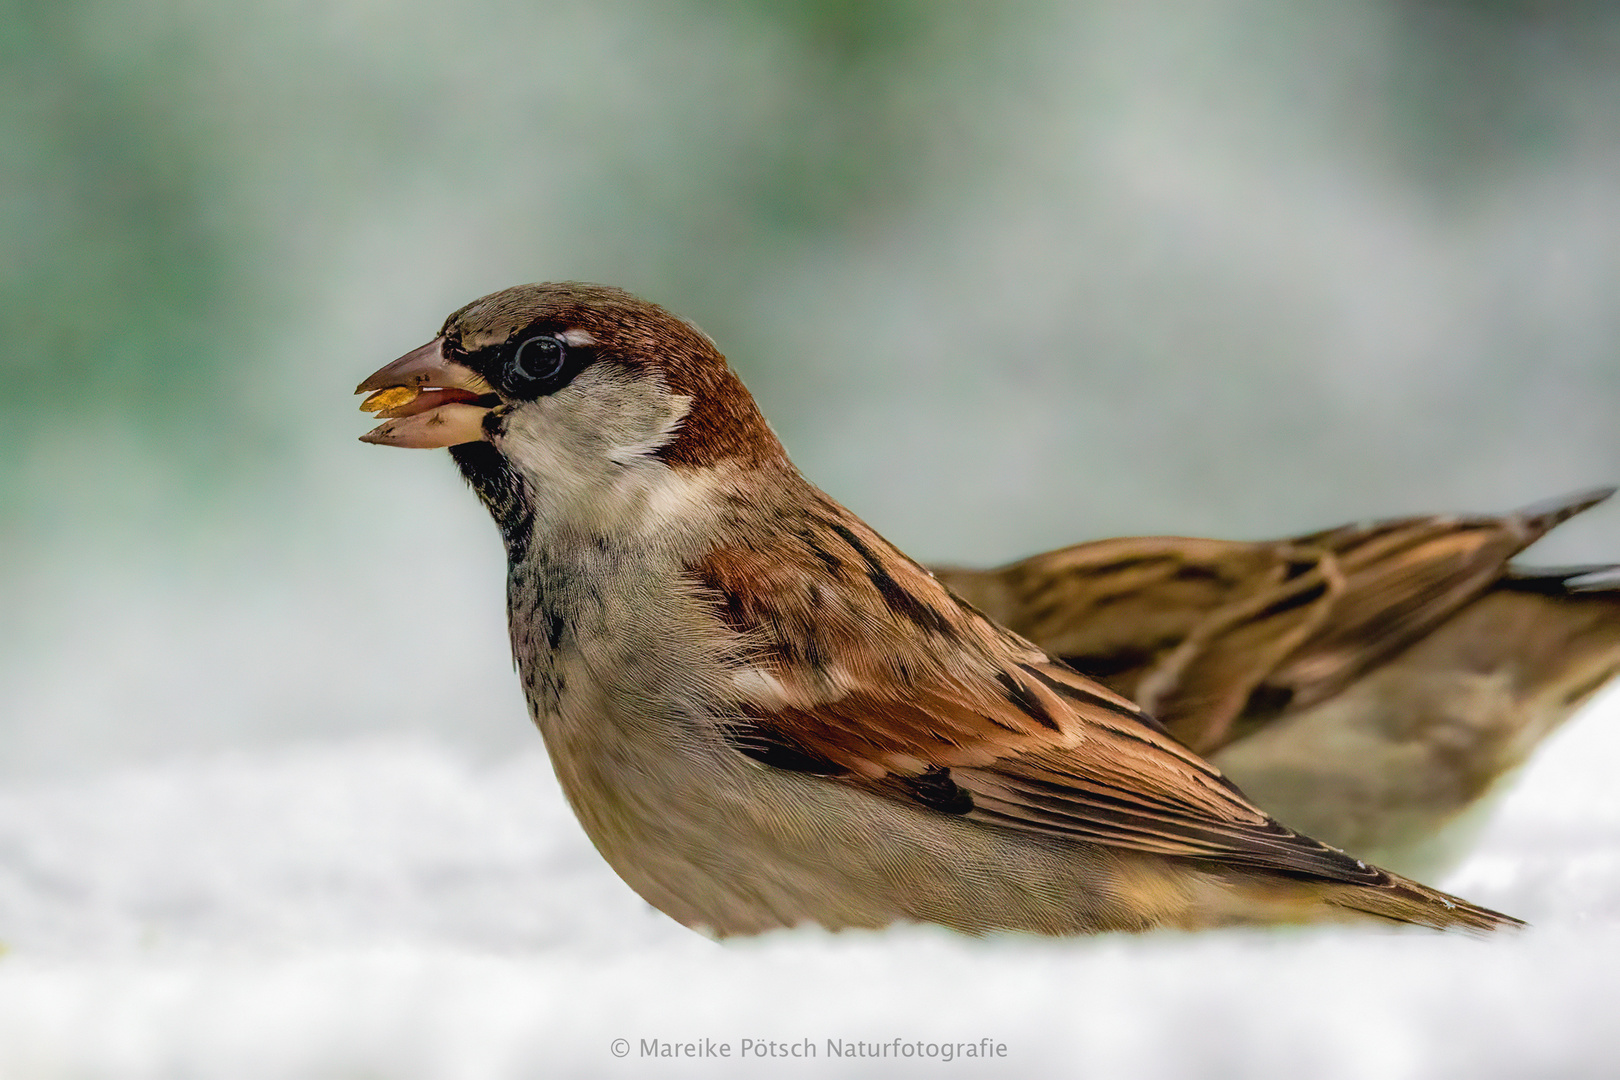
(1588, 578)
(1405, 901)
(1371, 892)
(1540, 517)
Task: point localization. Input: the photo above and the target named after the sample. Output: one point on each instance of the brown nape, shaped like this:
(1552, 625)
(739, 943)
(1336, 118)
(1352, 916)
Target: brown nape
(723, 424)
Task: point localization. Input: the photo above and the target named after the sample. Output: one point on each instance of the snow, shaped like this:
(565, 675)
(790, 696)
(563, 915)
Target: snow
(401, 908)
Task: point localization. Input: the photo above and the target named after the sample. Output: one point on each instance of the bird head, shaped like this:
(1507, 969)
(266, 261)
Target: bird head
(575, 402)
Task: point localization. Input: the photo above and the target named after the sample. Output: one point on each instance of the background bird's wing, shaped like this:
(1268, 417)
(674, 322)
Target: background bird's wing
(1217, 637)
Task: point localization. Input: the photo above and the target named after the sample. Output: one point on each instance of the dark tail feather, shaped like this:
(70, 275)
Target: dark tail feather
(1539, 517)
(1563, 580)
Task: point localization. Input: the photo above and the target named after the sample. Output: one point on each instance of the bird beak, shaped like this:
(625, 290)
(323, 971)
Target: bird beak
(428, 400)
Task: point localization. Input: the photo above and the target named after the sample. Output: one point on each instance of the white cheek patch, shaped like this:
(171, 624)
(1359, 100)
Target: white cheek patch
(627, 453)
(589, 453)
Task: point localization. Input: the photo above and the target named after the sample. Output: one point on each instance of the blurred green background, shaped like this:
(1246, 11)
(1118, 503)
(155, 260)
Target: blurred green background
(1003, 276)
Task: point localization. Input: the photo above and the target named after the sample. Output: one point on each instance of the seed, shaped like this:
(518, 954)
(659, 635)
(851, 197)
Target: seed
(390, 398)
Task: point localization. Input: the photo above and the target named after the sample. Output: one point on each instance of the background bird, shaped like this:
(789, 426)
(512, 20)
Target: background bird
(1371, 684)
(764, 715)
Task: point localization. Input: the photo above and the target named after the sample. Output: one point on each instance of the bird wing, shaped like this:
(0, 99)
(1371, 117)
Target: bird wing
(889, 682)
(1217, 637)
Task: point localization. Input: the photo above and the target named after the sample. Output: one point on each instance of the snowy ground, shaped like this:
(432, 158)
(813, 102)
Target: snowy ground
(395, 909)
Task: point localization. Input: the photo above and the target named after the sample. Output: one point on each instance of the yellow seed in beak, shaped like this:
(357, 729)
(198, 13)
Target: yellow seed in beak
(390, 398)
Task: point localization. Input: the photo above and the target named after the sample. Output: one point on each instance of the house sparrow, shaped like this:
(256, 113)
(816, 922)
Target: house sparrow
(1369, 684)
(764, 715)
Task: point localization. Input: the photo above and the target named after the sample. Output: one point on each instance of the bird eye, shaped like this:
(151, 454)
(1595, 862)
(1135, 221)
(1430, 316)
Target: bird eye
(534, 365)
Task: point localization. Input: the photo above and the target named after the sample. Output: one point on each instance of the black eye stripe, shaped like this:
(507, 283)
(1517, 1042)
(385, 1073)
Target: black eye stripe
(531, 365)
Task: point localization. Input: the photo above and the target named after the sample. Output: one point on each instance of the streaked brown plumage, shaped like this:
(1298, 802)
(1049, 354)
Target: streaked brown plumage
(1369, 684)
(764, 714)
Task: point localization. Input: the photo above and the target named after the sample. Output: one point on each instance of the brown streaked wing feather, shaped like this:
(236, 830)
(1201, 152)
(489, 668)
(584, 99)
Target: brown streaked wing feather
(1404, 578)
(1200, 689)
(1215, 637)
(1188, 628)
(1113, 609)
(933, 701)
